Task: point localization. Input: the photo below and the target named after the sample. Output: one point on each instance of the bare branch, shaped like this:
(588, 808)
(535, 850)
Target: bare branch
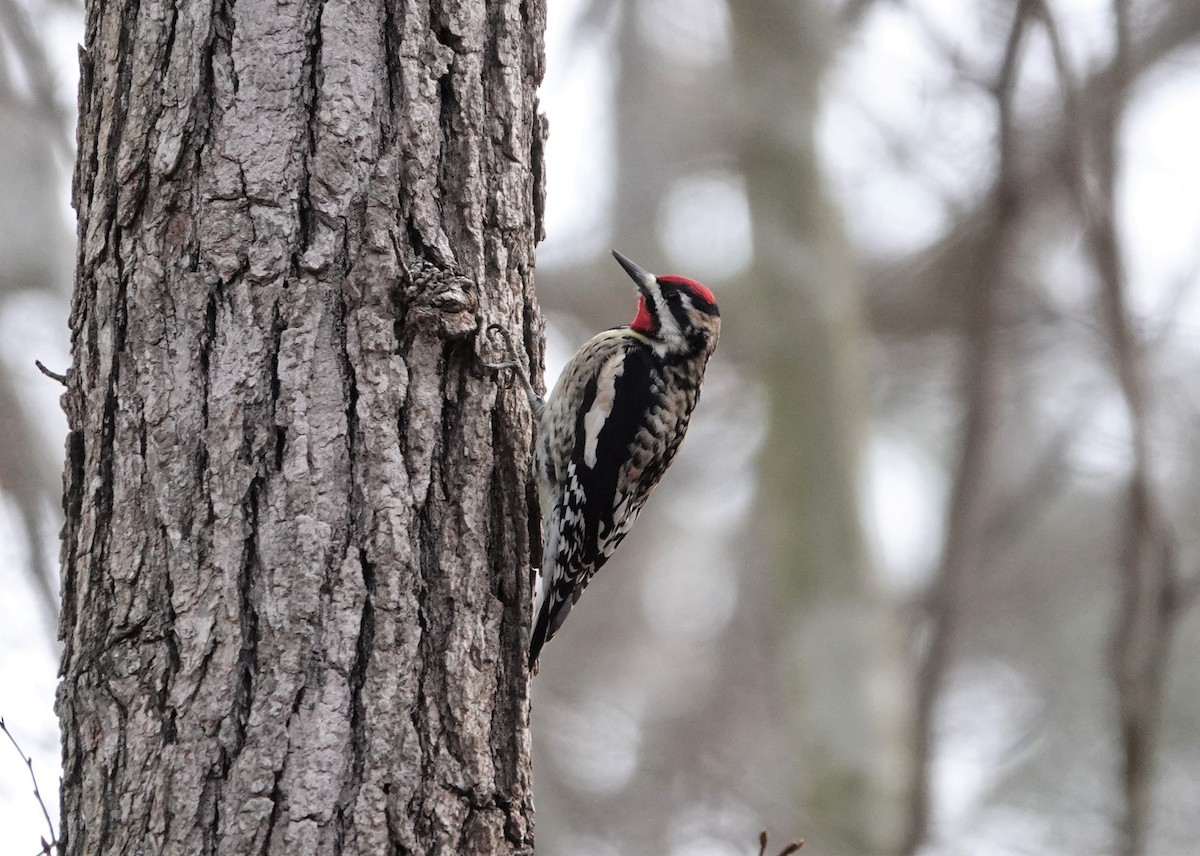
(919, 293)
(41, 104)
(1147, 568)
(965, 524)
(36, 791)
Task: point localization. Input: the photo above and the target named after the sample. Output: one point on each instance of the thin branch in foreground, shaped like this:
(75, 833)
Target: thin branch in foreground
(53, 842)
(786, 851)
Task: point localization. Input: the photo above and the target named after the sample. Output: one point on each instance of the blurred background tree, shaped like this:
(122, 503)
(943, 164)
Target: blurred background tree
(924, 576)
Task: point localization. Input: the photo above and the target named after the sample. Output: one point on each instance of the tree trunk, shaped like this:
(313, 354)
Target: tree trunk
(296, 544)
(839, 641)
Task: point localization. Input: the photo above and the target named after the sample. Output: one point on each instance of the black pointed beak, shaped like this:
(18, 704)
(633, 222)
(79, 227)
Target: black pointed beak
(637, 273)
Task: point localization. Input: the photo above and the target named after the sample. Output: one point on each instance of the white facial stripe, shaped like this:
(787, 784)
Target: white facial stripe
(685, 301)
(667, 325)
(606, 391)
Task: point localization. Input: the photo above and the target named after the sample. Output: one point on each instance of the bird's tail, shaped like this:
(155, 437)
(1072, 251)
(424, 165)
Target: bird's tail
(541, 633)
(551, 615)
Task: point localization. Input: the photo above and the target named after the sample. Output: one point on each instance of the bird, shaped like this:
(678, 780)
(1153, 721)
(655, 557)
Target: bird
(609, 430)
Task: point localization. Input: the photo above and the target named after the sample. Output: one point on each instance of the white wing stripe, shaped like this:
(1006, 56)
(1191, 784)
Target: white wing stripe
(606, 391)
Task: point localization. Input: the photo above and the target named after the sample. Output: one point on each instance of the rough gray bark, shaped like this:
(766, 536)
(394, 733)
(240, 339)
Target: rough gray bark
(296, 532)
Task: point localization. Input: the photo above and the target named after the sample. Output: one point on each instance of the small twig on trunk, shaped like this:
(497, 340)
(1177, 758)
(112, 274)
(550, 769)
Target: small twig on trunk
(53, 842)
(52, 375)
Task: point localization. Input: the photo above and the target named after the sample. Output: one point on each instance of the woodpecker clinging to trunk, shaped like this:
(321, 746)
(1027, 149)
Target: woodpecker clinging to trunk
(610, 429)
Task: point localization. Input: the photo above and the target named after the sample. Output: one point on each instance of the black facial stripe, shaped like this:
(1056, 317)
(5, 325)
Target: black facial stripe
(652, 308)
(700, 303)
(679, 311)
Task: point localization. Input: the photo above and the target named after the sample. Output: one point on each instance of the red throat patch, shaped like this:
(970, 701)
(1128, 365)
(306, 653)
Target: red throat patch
(643, 322)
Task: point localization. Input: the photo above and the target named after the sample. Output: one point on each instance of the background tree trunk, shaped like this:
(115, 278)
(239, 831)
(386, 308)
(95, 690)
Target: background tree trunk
(838, 640)
(296, 532)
